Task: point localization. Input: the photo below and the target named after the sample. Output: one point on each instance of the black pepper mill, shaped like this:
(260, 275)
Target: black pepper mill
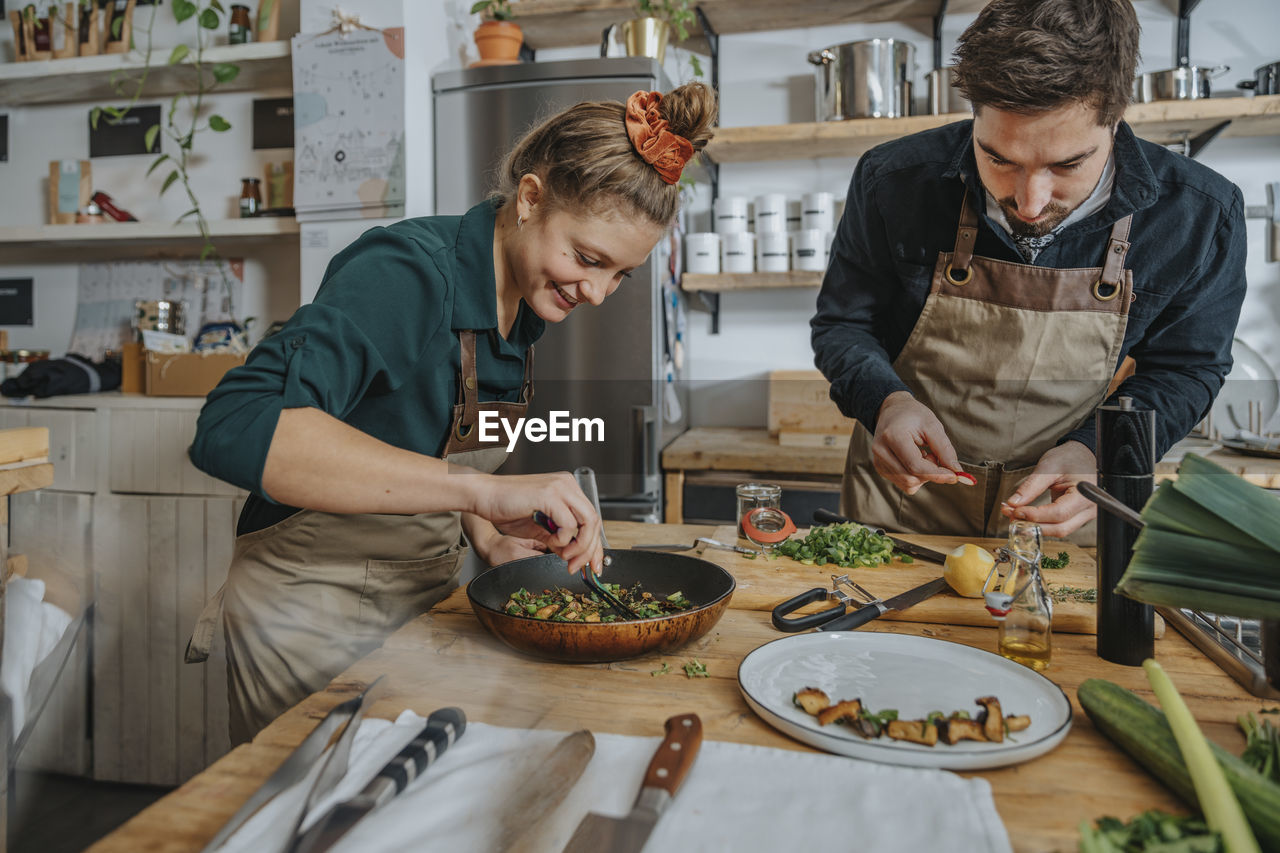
(1126, 471)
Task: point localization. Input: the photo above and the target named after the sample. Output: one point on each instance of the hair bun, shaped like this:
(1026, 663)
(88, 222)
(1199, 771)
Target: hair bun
(691, 111)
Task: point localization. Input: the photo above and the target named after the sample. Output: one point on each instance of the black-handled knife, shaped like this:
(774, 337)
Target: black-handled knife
(920, 552)
(442, 729)
(902, 601)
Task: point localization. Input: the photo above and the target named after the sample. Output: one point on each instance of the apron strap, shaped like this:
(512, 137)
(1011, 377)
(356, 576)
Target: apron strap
(526, 388)
(468, 384)
(958, 271)
(1111, 280)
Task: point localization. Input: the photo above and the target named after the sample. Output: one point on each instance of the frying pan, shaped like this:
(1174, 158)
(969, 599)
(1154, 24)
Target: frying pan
(704, 583)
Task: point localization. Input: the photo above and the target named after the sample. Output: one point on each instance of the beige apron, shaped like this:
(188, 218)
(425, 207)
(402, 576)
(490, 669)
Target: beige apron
(1010, 357)
(312, 594)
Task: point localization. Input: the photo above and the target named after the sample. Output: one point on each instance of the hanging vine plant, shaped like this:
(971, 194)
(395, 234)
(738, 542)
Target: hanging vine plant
(183, 121)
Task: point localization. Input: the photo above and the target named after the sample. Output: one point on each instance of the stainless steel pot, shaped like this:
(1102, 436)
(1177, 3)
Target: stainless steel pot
(1184, 83)
(1266, 80)
(943, 97)
(864, 79)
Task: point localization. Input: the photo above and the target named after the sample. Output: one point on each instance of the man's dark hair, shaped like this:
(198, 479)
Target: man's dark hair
(1029, 56)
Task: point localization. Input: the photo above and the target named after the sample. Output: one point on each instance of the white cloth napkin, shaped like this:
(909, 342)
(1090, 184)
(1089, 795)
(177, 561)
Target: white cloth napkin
(737, 798)
(32, 627)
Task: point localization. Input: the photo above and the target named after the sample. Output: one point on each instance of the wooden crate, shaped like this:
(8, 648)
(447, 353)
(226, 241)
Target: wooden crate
(801, 413)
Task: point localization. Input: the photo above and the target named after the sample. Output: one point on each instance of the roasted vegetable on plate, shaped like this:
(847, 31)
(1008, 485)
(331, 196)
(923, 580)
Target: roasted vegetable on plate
(988, 727)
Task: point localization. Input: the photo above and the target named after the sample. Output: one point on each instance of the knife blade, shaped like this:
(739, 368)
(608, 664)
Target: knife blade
(902, 601)
(443, 728)
(670, 764)
(542, 791)
(825, 516)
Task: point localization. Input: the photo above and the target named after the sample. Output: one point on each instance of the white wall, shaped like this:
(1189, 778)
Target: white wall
(38, 134)
(765, 79)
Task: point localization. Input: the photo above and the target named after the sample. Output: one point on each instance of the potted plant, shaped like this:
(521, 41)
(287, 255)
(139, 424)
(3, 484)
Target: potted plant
(648, 33)
(498, 37)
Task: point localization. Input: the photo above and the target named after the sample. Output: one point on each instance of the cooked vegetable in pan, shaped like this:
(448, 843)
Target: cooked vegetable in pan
(563, 605)
(989, 726)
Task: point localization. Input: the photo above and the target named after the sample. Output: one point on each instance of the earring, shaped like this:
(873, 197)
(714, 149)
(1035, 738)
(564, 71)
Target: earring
(519, 220)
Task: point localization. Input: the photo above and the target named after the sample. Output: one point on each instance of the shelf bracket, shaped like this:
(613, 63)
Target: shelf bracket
(1182, 44)
(527, 54)
(713, 41)
(937, 33)
(709, 301)
(1191, 146)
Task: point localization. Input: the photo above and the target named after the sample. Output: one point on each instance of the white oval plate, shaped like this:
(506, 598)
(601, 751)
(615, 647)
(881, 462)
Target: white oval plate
(913, 674)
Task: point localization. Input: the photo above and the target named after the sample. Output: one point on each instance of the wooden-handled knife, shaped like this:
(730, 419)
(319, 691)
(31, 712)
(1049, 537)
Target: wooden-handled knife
(670, 764)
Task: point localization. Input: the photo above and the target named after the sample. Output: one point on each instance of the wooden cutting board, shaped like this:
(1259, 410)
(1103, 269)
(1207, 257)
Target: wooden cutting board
(763, 583)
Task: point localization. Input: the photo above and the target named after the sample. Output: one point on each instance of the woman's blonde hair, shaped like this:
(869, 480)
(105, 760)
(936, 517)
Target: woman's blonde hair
(585, 158)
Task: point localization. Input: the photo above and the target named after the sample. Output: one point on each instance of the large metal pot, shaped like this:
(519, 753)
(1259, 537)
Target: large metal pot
(864, 79)
(1266, 80)
(704, 583)
(1185, 83)
(943, 97)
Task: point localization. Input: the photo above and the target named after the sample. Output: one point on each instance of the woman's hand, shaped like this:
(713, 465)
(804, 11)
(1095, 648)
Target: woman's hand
(509, 503)
(494, 547)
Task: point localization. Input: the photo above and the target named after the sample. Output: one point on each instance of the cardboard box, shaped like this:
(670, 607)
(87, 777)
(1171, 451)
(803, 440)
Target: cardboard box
(187, 374)
(133, 369)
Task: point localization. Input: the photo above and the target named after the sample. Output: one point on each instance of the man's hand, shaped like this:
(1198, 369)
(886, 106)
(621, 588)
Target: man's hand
(910, 447)
(1057, 472)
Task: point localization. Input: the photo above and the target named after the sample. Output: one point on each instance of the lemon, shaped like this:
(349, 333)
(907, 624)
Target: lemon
(966, 569)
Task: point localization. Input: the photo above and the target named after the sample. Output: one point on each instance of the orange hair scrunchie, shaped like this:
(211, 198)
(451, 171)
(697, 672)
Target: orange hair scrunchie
(667, 152)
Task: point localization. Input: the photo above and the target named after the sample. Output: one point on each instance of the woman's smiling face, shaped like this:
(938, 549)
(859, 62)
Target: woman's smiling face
(560, 259)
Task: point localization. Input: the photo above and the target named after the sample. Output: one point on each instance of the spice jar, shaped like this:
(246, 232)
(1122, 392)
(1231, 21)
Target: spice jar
(239, 31)
(752, 495)
(250, 197)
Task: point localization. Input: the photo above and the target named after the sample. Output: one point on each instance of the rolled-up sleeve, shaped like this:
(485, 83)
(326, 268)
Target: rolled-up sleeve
(1185, 354)
(382, 300)
(859, 284)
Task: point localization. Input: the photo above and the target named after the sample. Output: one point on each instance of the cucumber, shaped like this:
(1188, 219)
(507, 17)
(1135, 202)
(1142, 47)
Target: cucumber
(1141, 730)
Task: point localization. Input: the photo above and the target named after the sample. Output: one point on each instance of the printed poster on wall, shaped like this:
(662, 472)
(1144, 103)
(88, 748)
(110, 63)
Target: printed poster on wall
(349, 124)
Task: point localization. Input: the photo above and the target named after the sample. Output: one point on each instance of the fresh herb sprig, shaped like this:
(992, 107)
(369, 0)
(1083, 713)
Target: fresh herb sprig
(696, 669)
(1073, 593)
(1152, 831)
(1262, 743)
(1059, 562)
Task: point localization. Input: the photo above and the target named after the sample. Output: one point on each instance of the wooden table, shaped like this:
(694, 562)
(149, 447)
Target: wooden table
(754, 452)
(446, 658)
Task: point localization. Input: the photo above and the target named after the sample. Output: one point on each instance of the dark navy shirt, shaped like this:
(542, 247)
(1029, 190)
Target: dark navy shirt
(1187, 258)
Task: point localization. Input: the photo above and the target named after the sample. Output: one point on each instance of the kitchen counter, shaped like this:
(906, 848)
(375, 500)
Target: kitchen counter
(446, 658)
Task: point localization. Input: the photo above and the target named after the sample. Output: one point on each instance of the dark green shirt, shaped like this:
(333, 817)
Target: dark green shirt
(377, 349)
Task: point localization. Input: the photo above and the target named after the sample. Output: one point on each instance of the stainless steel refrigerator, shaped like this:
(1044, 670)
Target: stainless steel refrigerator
(605, 362)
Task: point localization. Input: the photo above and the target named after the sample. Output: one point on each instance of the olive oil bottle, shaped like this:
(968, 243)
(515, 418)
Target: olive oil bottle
(1026, 632)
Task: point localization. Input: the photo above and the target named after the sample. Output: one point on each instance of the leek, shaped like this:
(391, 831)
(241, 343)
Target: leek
(1218, 802)
(1211, 542)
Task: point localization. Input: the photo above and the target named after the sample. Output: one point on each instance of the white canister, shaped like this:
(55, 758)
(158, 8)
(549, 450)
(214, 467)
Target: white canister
(771, 251)
(771, 213)
(702, 253)
(809, 250)
(730, 214)
(818, 211)
(737, 252)
(793, 215)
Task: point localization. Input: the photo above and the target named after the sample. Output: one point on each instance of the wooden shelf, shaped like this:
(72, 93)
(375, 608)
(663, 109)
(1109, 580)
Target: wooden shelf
(265, 65)
(1163, 122)
(721, 282)
(138, 239)
(563, 23)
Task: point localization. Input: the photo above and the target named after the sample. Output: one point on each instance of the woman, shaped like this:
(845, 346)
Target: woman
(352, 425)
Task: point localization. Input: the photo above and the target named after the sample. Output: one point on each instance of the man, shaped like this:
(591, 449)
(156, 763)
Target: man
(988, 278)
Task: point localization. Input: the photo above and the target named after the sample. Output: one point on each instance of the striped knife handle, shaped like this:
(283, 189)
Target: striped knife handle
(442, 729)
